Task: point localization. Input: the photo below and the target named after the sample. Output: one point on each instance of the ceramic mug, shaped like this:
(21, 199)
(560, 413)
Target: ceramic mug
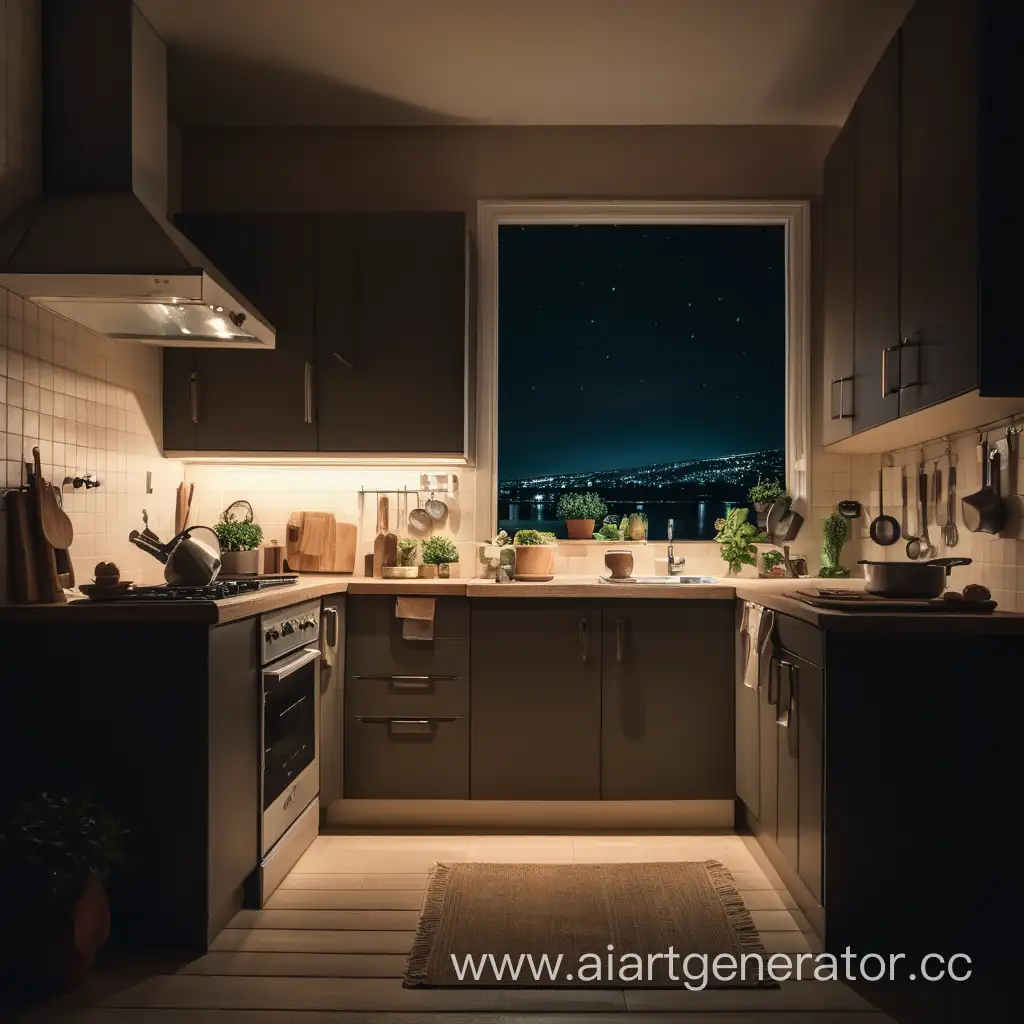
(619, 564)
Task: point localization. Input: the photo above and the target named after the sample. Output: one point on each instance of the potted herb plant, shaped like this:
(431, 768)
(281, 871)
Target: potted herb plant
(773, 563)
(439, 555)
(737, 539)
(834, 537)
(56, 854)
(240, 541)
(535, 553)
(407, 547)
(581, 512)
(766, 493)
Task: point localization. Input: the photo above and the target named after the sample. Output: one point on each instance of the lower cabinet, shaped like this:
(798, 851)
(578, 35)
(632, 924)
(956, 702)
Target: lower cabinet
(536, 697)
(667, 702)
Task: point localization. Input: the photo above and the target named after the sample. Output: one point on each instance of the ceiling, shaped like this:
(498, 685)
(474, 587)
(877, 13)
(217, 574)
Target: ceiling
(526, 62)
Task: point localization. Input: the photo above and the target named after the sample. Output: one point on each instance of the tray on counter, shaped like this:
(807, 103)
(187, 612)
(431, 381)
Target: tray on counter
(854, 601)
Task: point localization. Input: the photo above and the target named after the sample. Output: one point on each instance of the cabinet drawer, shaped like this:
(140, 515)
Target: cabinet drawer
(407, 696)
(799, 638)
(369, 615)
(406, 758)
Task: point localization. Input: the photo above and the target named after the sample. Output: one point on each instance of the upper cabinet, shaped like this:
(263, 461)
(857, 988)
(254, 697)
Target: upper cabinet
(929, 306)
(361, 305)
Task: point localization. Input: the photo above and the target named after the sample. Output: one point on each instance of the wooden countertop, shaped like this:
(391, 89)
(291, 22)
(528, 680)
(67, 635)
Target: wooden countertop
(592, 587)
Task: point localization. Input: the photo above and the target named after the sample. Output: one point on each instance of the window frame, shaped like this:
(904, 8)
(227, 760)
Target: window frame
(792, 215)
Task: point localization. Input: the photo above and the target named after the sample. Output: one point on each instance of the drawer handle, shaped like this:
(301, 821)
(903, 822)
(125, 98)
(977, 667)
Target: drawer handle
(620, 640)
(411, 682)
(409, 727)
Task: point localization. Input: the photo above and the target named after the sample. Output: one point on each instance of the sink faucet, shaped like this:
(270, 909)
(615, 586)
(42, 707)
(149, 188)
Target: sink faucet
(675, 568)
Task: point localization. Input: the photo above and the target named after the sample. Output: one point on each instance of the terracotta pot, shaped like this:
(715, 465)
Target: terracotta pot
(580, 529)
(535, 560)
(619, 563)
(239, 563)
(54, 948)
(428, 572)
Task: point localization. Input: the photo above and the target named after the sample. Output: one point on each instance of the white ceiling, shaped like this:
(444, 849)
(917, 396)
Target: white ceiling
(523, 62)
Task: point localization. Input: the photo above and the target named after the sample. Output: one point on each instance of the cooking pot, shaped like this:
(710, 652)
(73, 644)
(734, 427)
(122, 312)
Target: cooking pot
(189, 561)
(909, 579)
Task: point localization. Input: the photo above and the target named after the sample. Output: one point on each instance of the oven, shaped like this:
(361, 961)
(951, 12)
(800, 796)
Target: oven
(289, 739)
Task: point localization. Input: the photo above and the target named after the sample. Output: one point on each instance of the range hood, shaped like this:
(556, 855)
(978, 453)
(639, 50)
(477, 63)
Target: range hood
(96, 247)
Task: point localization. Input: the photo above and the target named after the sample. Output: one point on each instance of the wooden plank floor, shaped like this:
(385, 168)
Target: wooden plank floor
(330, 946)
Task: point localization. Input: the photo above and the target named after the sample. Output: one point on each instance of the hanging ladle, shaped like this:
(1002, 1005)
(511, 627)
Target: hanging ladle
(884, 529)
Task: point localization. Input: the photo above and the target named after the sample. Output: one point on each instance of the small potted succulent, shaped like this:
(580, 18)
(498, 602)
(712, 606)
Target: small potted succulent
(581, 512)
(834, 534)
(535, 554)
(407, 547)
(439, 556)
(737, 539)
(56, 854)
(766, 493)
(773, 563)
(240, 541)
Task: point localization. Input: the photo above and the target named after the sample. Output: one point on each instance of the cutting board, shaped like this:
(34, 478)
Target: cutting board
(336, 542)
(869, 603)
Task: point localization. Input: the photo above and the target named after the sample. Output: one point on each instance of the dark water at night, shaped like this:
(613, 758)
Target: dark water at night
(694, 520)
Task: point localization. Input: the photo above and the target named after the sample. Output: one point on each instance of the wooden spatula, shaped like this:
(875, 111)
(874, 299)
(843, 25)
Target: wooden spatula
(380, 542)
(57, 527)
(390, 541)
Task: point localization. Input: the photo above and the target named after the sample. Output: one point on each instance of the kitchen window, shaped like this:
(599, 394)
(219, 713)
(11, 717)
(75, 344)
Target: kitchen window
(654, 353)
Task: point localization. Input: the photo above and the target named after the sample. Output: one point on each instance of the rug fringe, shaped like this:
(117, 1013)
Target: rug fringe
(736, 912)
(427, 926)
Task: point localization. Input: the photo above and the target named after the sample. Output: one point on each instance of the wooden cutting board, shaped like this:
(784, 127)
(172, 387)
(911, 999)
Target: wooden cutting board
(337, 549)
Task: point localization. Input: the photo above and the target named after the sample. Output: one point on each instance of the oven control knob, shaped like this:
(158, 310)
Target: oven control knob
(272, 635)
(307, 624)
(287, 628)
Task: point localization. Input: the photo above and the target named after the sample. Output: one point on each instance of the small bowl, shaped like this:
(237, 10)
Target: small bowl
(619, 564)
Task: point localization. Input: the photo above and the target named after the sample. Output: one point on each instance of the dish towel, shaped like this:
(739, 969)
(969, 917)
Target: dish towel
(417, 615)
(751, 628)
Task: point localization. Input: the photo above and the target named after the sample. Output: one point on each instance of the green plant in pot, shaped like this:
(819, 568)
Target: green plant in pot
(56, 854)
(772, 562)
(240, 541)
(766, 493)
(737, 539)
(581, 512)
(835, 529)
(535, 554)
(439, 554)
(407, 547)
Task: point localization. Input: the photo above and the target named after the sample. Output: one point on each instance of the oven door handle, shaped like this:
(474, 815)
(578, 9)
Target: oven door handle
(293, 664)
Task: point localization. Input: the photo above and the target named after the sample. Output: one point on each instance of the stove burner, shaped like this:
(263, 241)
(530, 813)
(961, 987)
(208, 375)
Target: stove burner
(216, 591)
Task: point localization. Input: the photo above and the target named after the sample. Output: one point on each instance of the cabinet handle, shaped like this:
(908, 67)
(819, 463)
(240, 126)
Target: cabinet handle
(886, 390)
(344, 362)
(331, 630)
(307, 385)
(910, 341)
(774, 669)
(193, 395)
(620, 639)
(410, 727)
(410, 682)
(585, 639)
(842, 414)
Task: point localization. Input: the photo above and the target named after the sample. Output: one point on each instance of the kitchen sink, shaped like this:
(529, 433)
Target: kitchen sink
(663, 580)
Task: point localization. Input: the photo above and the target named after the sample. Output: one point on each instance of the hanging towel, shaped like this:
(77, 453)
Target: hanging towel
(765, 646)
(751, 630)
(417, 615)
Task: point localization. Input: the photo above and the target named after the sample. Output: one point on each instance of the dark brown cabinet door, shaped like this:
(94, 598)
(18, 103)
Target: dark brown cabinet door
(535, 695)
(876, 120)
(405, 327)
(667, 722)
(769, 749)
(252, 400)
(788, 758)
(810, 744)
(840, 180)
(179, 399)
(938, 202)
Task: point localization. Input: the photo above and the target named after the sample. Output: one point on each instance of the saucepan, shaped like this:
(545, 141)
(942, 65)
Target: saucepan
(909, 579)
(189, 561)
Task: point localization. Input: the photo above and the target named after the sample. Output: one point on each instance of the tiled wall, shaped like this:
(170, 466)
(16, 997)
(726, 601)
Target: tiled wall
(274, 491)
(998, 561)
(90, 406)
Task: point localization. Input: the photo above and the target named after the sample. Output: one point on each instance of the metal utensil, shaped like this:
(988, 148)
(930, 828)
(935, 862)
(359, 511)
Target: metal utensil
(984, 510)
(940, 511)
(436, 509)
(927, 547)
(904, 521)
(950, 533)
(884, 529)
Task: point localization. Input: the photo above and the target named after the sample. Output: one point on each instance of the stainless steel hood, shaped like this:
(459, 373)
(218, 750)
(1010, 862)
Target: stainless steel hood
(96, 247)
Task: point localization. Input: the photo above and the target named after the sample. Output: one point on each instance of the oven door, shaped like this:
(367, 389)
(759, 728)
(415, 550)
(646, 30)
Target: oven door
(289, 741)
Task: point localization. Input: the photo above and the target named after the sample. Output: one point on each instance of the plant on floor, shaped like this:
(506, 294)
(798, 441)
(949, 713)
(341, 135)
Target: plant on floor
(737, 539)
(439, 551)
(61, 850)
(531, 538)
(576, 505)
(407, 550)
(834, 533)
(771, 559)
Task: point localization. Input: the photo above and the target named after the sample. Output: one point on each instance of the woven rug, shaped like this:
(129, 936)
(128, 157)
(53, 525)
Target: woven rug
(505, 918)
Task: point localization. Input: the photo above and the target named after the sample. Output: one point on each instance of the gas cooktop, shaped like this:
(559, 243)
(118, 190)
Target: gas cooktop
(216, 591)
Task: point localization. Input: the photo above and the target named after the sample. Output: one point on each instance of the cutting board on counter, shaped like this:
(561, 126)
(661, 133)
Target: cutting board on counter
(316, 542)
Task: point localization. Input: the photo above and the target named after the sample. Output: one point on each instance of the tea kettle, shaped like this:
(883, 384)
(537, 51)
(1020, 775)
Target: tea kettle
(189, 561)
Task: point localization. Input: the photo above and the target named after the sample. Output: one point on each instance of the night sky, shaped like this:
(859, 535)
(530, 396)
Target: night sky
(625, 345)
